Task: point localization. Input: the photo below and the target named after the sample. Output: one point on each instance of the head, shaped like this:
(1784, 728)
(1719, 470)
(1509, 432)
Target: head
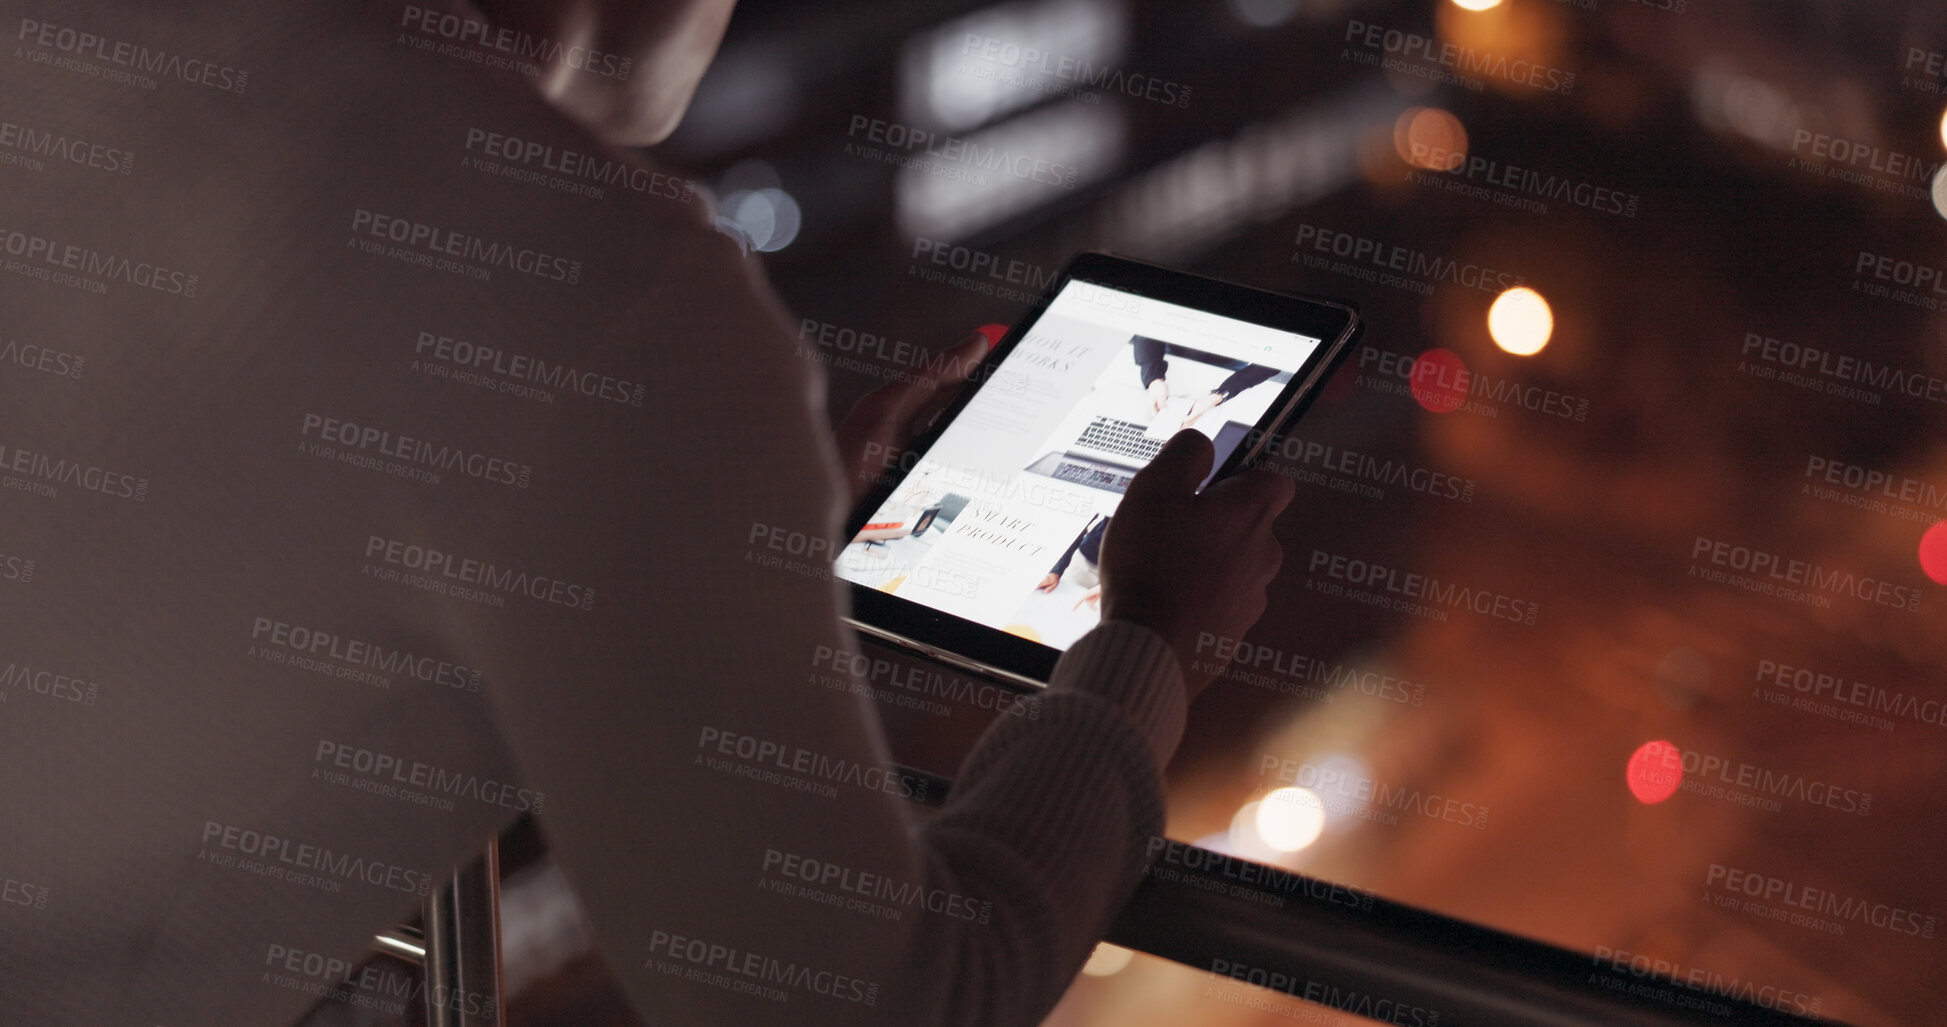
(666, 44)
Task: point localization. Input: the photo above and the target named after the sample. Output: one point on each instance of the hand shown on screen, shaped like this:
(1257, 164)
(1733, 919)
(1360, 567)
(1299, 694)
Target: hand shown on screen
(874, 434)
(1093, 597)
(1202, 406)
(1159, 395)
(1048, 583)
(1193, 568)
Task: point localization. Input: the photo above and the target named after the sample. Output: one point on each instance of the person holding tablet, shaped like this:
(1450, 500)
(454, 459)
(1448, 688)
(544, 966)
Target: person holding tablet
(426, 526)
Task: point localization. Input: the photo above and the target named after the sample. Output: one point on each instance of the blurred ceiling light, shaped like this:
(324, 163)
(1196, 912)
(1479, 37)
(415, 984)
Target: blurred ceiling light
(1728, 99)
(1431, 138)
(1943, 128)
(1476, 5)
(1264, 14)
(1290, 819)
(1000, 59)
(1520, 321)
(1940, 191)
(1655, 772)
(1933, 552)
(1107, 960)
(965, 185)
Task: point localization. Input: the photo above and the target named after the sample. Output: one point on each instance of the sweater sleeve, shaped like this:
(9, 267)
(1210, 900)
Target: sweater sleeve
(1055, 813)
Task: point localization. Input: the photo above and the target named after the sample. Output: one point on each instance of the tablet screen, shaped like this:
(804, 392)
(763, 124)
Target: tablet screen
(1000, 521)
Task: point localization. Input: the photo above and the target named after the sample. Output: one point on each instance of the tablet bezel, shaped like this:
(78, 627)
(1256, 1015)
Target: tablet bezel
(1011, 658)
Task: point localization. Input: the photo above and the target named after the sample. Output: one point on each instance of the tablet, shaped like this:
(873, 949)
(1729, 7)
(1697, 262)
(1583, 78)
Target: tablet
(980, 548)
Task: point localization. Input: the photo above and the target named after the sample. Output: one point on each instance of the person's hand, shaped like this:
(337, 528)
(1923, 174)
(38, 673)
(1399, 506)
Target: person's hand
(1092, 597)
(1048, 583)
(875, 432)
(1186, 565)
(1202, 406)
(1159, 395)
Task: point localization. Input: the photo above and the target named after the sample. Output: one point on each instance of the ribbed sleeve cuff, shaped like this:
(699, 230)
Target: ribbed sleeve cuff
(1133, 667)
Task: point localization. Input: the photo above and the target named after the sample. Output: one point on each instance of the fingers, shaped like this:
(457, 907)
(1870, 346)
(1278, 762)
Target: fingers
(1176, 470)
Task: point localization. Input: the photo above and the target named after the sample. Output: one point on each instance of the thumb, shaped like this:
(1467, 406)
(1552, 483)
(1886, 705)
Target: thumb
(1177, 469)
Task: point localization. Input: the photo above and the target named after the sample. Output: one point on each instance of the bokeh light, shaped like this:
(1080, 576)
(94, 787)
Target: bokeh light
(1943, 128)
(1655, 772)
(1940, 191)
(1439, 382)
(1476, 5)
(1933, 552)
(1520, 321)
(1431, 138)
(994, 333)
(1290, 819)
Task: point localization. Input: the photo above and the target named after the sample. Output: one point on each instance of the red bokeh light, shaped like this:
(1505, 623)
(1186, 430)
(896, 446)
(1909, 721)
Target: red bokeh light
(994, 334)
(1933, 552)
(1440, 380)
(1655, 772)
